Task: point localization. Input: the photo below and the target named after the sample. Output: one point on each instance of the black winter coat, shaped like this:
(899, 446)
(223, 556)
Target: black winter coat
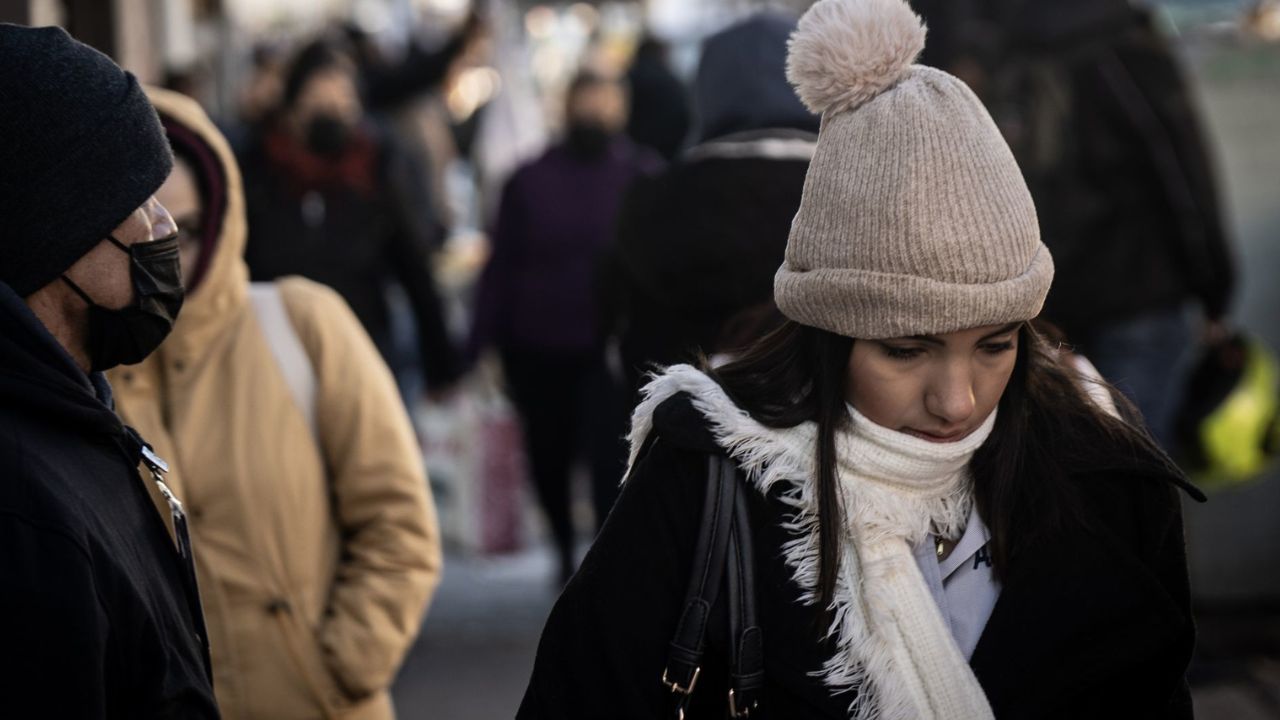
(96, 620)
(698, 245)
(1091, 626)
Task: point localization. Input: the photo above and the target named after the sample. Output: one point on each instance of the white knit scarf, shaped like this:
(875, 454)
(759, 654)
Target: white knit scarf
(893, 644)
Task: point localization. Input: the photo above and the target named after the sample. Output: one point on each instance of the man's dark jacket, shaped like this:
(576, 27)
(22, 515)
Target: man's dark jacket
(1095, 625)
(96, 620)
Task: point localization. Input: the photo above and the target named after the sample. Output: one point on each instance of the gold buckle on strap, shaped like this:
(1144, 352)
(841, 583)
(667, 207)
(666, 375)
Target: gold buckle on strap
(734, 712)
(675, 688)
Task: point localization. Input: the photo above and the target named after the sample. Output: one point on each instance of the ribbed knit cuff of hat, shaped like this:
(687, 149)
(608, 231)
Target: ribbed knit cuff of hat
(85, 150)
(875, 305)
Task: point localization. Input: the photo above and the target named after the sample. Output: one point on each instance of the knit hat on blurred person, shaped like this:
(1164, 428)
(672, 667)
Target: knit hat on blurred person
(915, 217)
(82, 149)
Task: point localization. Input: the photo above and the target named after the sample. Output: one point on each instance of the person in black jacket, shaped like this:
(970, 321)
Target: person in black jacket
(1103, 122)
(331, 198)
(692, 268)
(939, 520)
(99, 613)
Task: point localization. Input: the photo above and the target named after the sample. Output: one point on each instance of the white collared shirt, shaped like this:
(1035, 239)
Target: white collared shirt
(963, 585)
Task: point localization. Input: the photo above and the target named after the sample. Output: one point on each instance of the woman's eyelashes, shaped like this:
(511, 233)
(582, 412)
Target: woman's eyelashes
(897, 352)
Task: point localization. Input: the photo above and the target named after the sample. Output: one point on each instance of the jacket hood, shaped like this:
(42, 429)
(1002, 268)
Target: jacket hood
(221, 281)
(742, 83)
(39, 378)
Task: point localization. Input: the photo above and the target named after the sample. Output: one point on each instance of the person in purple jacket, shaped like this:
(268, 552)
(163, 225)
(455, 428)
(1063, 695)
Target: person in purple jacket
(538, 302)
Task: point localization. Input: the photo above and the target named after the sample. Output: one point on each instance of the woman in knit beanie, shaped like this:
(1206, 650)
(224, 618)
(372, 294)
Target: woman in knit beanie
(938, 520)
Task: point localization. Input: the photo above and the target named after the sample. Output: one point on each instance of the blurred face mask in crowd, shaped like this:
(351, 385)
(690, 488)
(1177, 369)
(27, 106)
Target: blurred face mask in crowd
(938, 388)
(327, 136)
(124, 336)
(588, 139)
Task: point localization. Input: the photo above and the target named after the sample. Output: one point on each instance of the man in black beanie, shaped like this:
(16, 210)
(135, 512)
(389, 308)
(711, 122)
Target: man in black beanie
(99, 613)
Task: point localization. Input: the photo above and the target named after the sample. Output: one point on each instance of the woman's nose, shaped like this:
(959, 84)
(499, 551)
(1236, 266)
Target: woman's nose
(950, 397)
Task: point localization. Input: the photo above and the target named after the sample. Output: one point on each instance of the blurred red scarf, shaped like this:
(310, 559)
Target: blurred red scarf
(306, 171)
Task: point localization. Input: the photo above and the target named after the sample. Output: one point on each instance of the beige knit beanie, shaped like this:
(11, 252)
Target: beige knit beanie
(915, 218)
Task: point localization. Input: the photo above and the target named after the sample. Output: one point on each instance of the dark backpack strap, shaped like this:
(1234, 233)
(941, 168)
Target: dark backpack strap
(684, 660)
(746, 653)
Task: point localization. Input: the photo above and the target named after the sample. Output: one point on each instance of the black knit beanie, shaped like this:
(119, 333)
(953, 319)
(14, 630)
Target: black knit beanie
(80, 149)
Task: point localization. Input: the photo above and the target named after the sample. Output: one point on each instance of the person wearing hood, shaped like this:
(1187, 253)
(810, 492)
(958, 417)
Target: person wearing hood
(99, 611)
(536, 300)
(902, 504)
(316, 541)
(697, 245)
(332, 197)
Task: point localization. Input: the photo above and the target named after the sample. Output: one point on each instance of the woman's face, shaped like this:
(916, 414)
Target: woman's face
(936, 387)
(181, 196)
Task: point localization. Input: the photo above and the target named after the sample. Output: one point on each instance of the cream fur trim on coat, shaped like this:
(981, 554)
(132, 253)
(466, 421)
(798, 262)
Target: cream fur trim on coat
(894, 647)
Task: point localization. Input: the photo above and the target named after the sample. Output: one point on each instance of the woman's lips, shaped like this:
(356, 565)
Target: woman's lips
(935, 437)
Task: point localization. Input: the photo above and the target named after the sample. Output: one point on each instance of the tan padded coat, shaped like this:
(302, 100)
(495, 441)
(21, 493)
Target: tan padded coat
(316, 552)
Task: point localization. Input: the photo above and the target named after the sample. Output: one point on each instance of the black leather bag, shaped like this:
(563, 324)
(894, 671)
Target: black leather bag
(722, 560)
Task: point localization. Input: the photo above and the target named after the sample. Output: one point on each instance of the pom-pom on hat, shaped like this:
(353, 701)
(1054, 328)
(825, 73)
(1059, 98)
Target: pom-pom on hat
(915, 218)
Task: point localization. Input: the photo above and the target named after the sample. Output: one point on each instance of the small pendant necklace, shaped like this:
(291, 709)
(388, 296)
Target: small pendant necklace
(940, 545)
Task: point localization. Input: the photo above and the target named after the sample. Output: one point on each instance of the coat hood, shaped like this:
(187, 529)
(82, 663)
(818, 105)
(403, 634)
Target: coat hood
(742, 81)
(220, 283)
(39, 378)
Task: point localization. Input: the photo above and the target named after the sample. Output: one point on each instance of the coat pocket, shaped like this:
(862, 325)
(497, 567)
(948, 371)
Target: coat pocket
(280, 666)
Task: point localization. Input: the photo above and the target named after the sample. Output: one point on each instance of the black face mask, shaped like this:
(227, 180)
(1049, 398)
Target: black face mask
(588, 141)
(327, 136)
(129, 334)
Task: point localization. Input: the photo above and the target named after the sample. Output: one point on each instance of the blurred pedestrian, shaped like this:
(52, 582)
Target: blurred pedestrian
(926, 516)
(330, 198)
(536, 300)
(317, 543)
(1102, 121)
(99, 613)
(659, 111)
(698, 245)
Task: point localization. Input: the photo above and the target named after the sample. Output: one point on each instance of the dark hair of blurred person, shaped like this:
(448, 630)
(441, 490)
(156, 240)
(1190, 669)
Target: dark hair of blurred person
(659, 115)
(1093, 103)
(332, 197)
(698, 245)
(537, 299)
(318, 544)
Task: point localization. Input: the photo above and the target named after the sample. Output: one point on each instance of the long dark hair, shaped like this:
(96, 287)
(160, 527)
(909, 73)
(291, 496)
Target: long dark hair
(1047, 429)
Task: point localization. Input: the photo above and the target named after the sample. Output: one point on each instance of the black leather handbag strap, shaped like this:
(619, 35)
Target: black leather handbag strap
(723, 551)
(746, 652)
